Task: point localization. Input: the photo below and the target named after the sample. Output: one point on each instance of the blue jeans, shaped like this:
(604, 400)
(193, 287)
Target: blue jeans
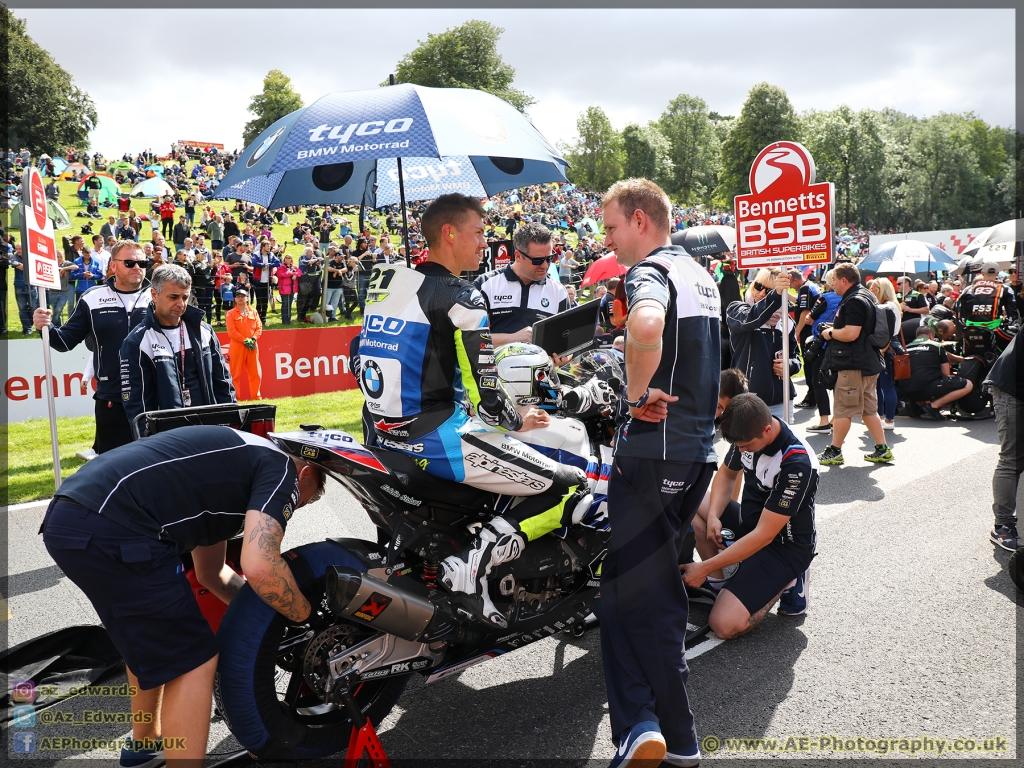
(23, 295)
(888, 400)
(364, 284)
(57, 300)
(334, 302)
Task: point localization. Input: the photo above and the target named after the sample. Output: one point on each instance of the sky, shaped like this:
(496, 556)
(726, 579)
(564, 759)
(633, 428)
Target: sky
(157, 76)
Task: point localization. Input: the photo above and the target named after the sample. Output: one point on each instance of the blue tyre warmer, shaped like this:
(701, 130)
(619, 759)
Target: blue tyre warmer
(246, 653)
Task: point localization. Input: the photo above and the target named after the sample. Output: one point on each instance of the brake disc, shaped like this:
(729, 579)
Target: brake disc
(328, 643)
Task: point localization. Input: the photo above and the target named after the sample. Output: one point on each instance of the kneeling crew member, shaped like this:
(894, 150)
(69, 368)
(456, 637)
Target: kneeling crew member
(774, 522)
(172, 359)
(117, 527)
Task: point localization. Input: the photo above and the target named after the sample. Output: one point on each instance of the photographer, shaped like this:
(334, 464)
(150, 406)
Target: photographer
(311, 265)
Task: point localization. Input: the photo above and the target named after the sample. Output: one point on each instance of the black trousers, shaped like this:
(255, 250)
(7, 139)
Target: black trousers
(262, 292)
(811, 369)
(112, 427)
(643, 600)
(167, 227)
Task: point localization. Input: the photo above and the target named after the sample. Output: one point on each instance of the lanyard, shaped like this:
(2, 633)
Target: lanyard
(181, 356)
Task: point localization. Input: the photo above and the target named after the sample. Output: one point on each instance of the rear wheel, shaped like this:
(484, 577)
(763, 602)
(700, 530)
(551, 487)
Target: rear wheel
(269, 681)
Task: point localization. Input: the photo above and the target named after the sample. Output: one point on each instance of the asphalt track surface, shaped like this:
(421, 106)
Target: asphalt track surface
(912, 633)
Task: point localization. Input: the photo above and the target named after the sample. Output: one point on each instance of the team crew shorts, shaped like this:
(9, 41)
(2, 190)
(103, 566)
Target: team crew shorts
(942, 387)
(139, 590)
(763, 575)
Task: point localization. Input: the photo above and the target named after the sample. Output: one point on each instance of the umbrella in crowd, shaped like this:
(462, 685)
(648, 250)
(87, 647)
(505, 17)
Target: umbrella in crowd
(61, 218)
(384, 146)
(109, 189)
(604, 268)
(913, 256)
(1001, 243)
(153, 187)
(706, 240)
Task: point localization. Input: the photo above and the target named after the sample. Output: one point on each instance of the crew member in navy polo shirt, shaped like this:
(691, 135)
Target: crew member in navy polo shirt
(521, 294)
(117, 528)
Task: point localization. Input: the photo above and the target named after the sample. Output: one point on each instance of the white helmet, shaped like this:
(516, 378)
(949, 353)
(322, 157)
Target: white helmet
(527, 375)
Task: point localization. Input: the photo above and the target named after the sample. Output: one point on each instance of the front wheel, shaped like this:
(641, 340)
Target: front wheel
(260, 687)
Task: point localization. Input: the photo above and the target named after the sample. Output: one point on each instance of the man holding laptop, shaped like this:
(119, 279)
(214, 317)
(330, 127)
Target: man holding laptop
(520, 294)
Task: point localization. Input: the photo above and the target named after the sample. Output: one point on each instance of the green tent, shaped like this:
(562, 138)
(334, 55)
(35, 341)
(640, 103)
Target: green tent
(120, 165)
(61, 219)
(109, 190)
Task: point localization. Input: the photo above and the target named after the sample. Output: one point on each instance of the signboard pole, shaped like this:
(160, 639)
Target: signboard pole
(51, 406)
(786, 417)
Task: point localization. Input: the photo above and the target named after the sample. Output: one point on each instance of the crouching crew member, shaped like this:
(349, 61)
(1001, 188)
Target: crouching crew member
(117, 527)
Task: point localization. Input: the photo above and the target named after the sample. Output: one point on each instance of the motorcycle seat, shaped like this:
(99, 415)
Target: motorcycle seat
(420, 483)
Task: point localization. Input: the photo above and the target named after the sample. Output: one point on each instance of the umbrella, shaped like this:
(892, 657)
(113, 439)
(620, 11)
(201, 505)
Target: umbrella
(602, 269)
(915, 256)
(109, 189)
(384, 146)
(706, 240)
(1001, 243)
(153, 187)
(60, 217)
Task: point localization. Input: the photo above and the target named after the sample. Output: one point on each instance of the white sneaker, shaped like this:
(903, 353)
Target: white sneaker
(888, 424)
(88, 455)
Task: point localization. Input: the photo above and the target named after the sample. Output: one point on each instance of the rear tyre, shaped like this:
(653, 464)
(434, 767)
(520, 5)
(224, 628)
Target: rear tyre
(260, 689)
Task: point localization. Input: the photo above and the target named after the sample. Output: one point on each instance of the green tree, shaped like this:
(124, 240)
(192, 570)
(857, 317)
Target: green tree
(694, 148)
(767, 116)
(277, 100)
(595, 157)
(646, 153)
(463, 57)
(46, 111)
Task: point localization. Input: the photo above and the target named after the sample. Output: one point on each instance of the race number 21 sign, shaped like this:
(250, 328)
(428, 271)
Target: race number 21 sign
(787, 218)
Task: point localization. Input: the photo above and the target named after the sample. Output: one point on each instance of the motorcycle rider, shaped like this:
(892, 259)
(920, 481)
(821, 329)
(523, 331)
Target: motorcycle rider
(426, 367)
(983, 306)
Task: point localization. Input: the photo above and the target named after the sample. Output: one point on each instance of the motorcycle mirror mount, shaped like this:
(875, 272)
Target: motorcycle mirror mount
(310, 427)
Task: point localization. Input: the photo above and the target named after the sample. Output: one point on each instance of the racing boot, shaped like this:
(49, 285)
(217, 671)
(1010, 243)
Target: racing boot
(498, 542)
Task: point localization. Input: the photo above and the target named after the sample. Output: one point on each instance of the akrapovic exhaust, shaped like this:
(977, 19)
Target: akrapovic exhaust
(365, 599)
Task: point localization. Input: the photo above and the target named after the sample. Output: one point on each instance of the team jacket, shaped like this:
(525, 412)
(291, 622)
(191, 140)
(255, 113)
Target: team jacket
(150, 369)
(691, 358)
(106, 315)
(754, 347)
(425, 350)
(512, 306)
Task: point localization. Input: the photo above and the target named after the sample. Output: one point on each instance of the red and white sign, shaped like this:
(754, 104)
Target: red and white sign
(787, 218)
(37, 234)
(303, 362)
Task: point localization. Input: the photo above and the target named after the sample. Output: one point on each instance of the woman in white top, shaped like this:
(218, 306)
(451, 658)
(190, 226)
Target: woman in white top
(888, 400)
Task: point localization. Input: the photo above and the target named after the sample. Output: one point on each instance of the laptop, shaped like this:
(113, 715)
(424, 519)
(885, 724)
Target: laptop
(569, 331)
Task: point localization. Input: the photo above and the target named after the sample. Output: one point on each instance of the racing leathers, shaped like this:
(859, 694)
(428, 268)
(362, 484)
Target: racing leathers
(426, 369)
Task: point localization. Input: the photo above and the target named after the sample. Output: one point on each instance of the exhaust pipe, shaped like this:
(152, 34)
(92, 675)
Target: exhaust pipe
(367, 600)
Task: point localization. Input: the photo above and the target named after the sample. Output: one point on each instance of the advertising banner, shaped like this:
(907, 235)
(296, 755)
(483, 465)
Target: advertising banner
(294, 363)
(787, 218)
(305, 362)
(498, 256)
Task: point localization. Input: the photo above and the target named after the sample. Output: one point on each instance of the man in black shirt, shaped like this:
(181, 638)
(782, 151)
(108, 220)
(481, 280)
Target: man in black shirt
(806, 296)
(930, 379)
(911, 302)
(117, 529)
(774, 522)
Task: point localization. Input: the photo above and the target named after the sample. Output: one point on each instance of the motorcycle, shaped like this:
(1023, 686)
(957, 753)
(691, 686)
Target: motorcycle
(291, 692)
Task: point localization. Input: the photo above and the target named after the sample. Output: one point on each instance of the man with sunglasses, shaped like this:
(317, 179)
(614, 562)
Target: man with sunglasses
(521, 294)
(106, 312)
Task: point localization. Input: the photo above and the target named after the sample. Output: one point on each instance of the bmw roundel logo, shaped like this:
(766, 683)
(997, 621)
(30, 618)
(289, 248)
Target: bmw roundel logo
(373, 380)
(544, 302)
(261, 150)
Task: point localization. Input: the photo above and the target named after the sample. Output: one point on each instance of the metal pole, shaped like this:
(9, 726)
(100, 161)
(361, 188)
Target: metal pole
(785, 357)
(50, 405)
(405, 223)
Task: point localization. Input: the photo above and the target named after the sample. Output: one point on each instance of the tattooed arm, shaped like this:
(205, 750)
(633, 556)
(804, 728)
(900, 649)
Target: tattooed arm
(214, 573)
(264, 569)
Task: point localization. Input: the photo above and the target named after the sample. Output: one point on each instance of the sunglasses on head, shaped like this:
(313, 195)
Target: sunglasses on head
(537, 262)
(133, 263)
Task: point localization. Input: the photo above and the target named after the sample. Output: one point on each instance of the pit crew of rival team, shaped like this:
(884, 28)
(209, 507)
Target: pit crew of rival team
(981, 309)
(425, 351)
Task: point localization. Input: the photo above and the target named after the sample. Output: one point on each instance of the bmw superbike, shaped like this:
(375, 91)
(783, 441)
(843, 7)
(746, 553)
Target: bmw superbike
(289, 691)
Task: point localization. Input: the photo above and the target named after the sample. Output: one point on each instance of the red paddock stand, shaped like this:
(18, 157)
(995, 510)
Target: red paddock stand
(364, 741)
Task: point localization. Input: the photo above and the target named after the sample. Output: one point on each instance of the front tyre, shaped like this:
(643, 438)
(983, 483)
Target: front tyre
(259, 687)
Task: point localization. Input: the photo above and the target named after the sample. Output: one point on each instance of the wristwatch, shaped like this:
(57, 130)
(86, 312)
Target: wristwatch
(639, 403)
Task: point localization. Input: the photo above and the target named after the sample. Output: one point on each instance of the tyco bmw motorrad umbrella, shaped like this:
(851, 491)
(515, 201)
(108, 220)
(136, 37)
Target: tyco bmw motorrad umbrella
(347, 148)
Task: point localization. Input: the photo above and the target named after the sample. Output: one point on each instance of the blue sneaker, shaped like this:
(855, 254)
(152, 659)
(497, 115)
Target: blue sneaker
(686, 758)
(642, 746)
(135, 755)
(794, 600)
